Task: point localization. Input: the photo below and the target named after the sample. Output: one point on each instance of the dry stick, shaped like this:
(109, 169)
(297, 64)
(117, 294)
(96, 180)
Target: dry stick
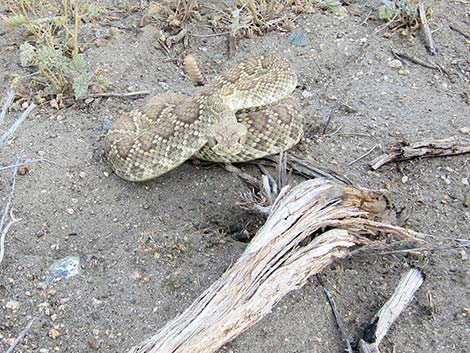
(389, 313)
(330, 116)
(458, 29)
(424, 149)
(8, 211)
(417, 61)
(427, 31)
(21, 335)
(116, 94)
(339, 321)
(9, 133)
(364, 155)
(8, 102)
(307, 168)
(281, 257)
(28, 162)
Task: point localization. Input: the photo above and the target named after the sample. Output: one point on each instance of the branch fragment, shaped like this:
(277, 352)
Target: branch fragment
(389, 313)
(428, 148)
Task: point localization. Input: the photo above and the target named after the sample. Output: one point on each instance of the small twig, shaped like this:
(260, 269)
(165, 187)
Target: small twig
(427, 31)
(418, 61)
(241, 174)
(457, 29)
(21, 335)
(209, 34)
(339, 321)
(7, 211)
(334, 132)
(28, 162)
(364, 155)
(116, 94)
(9, 133)
(365, 19)
(380, 29)
(8, 102)
(389, 313)
(330, 116)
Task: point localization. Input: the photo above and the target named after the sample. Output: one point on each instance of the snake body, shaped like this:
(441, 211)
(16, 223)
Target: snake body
(171, 128)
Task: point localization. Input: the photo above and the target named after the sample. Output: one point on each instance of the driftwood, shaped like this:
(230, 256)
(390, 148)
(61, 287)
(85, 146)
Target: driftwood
(290, 247)
(423, 149)
(388, 314)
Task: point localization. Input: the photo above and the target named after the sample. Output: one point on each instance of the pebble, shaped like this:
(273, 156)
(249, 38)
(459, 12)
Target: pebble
(136, 276)
(298, 39)
(70, 211)
(41, 153)
(395, 64)
(54, 333)
(82, 175)
(13, 305)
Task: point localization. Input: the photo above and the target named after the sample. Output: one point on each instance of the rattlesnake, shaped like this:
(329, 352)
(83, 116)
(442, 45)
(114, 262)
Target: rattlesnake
(244, 114)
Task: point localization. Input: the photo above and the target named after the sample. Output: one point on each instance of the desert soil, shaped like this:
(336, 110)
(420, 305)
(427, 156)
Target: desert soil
(148, 250)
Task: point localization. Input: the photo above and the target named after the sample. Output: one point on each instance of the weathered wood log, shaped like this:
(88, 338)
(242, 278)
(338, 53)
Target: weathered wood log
(389, 313)
(290, 247)
(423, 149)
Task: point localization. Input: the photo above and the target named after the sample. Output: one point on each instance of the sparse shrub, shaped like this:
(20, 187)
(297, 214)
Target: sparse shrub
(261, 16)
(55, 27)
(174, 13)
(400, 13)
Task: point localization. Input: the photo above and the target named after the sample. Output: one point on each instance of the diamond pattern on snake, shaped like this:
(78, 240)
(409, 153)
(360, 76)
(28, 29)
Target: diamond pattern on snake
(246, 113)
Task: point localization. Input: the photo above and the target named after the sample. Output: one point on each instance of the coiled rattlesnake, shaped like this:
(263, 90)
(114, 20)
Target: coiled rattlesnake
(244, 114)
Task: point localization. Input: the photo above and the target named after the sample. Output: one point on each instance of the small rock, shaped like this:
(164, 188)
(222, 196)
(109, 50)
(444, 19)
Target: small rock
(403, 72)
(106, 124)
(308, 93)
(70, 211)
(41, 153)
(53, 317)
(298, 39)
(404, 179)
(136, 276)
(13, 305)
(99, 42)
(106, 174)
(395, 64)
(82, 175)
(54, 333)
(466, 202)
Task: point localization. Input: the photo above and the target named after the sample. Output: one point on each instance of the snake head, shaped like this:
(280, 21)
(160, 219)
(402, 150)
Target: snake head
(227, 137)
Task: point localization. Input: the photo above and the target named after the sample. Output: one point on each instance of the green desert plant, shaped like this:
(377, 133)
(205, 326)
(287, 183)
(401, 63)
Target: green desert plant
(55, 27)
(399, 12)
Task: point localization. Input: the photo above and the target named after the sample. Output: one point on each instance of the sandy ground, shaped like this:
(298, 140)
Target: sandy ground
(148, 250)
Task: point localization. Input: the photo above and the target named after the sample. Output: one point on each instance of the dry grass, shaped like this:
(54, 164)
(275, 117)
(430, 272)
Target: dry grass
(173, 13)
